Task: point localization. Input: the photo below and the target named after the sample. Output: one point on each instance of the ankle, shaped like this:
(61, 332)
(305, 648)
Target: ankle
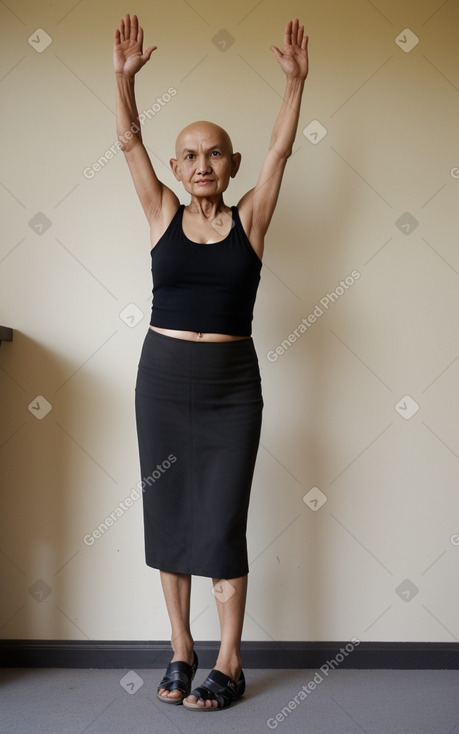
(230, 665)
(183, 650)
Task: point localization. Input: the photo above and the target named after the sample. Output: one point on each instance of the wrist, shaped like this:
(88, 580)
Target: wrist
(122, 77)
(294, 88)
(295, 82)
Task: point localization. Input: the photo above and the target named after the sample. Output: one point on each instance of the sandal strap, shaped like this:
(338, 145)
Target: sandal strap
(220, 688)
(179, 676)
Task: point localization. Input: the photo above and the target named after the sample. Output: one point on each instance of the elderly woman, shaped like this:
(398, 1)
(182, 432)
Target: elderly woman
(198, 391)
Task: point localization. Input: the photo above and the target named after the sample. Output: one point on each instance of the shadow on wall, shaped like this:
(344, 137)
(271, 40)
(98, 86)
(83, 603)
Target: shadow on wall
(37, 488)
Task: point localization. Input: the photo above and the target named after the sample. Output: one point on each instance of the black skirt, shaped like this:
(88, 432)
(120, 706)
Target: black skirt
(198, 410)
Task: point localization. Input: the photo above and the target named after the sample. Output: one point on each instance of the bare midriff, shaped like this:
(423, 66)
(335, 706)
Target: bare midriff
(198, 335)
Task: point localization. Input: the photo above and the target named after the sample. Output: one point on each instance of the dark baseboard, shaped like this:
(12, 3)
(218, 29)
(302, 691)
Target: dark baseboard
(264, 655)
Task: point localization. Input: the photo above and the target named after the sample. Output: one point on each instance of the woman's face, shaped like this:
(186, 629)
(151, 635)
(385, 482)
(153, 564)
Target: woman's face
(205, 160)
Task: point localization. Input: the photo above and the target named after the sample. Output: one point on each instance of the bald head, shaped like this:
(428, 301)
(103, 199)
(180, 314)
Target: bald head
(202, 132)
(204, 148)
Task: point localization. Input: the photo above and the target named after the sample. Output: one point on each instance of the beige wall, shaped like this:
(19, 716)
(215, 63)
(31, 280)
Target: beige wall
(379, 559)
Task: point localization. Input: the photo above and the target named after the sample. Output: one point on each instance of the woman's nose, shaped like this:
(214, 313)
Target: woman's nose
(203, 164)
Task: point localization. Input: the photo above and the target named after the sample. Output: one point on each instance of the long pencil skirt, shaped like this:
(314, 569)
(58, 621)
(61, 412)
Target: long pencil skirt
(198, 410)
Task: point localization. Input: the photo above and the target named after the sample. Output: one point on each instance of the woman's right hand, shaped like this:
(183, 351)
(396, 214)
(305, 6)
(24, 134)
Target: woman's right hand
(128, 57)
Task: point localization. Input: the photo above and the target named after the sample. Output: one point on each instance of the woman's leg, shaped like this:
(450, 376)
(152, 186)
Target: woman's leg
(177, 590)
(230, 596)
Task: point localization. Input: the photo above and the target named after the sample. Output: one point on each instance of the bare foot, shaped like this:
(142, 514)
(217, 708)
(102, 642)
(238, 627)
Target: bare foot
(170, 694)
(233, 671)
(176, 694)
(209, 703)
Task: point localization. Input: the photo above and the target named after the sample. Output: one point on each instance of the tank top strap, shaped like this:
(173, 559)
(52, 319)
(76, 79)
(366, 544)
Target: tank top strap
(238, 229)
(236, 218)
(176, 229)
(239, 234)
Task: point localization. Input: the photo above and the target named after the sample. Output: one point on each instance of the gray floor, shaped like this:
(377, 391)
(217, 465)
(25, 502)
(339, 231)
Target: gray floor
(63, 701)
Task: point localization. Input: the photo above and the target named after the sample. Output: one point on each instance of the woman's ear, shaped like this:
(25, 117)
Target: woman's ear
(236, 163)
(175, 168)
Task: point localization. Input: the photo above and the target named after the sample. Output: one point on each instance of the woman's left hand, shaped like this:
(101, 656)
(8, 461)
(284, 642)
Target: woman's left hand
(294, 58)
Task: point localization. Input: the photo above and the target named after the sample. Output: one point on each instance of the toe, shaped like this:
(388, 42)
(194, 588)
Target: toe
(209, 703)
(201, 702)
(169, 694)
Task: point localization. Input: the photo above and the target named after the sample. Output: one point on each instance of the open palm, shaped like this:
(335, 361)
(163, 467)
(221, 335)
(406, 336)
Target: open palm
(294, 58)
(128, 56)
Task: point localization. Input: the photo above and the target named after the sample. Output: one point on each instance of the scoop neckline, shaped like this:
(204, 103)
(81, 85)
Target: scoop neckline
(206, 244)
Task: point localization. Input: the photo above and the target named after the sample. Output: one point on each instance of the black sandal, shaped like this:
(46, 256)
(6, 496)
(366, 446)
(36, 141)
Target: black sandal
(217, 687)
(178, 677)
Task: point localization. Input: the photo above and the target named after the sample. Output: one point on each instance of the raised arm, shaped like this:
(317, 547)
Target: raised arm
(155, 197)
(257, 206)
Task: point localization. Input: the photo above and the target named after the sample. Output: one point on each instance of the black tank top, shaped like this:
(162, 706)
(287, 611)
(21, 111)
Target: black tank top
(204, 287)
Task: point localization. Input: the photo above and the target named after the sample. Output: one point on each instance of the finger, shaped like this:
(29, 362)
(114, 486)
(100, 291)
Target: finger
(288, 33)
(304, 43)
(295, 25)
(127, 26)
(140, 36)
(278, 54)
(116, 37)
(121, 28)
(134, 28)
(299, 35)
(148, 53)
